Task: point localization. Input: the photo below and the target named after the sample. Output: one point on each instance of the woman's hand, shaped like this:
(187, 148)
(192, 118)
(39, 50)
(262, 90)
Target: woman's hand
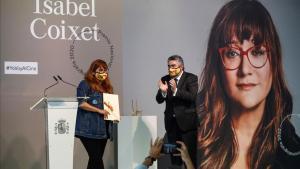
(185, 155)
(104, 112)
(155, 147)
(109, 106)
(154, 151)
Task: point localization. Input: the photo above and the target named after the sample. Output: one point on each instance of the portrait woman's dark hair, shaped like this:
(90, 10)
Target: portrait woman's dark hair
(105, 86)
(217, 143)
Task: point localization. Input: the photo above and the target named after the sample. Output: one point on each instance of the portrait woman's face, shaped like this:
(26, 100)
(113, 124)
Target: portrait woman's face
(247, 73)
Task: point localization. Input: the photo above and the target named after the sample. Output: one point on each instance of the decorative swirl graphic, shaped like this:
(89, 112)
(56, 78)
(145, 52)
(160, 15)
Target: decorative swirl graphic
(294, 119)
(72, 49)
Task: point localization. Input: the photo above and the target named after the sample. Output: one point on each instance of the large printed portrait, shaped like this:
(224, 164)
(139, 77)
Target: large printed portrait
(245, 105)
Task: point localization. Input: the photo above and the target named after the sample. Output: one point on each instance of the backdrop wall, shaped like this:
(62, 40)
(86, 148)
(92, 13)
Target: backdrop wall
(43, 31)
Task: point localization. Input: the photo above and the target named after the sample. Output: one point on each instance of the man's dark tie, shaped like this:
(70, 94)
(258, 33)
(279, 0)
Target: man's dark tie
(176, 81)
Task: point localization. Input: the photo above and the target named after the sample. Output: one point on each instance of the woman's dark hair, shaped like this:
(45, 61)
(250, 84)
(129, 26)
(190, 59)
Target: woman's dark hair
(217, 143)
(105, 86)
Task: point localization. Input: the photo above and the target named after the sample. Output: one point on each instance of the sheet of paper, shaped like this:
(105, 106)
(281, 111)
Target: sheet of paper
(111, 104)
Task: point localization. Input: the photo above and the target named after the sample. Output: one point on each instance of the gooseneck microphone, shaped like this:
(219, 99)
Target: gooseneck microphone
(65, 81)
(56, 82)
(55, 78)
(68, 83)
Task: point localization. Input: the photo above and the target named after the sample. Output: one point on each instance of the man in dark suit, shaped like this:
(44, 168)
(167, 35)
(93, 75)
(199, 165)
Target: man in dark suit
(179, 89)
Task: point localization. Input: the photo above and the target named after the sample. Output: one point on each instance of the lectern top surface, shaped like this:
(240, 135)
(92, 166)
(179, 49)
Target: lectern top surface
(42, 103)
(61, 99)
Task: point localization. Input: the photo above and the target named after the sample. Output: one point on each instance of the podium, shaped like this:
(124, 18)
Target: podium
(60, 118)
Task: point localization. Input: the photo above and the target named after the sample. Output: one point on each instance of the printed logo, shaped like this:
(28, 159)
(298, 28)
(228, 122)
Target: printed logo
(105, 45)
(95, 101)
(61, 127)
(21, 68)
(289, 142)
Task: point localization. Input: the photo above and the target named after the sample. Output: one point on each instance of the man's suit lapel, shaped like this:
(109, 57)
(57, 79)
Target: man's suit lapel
(181, 81)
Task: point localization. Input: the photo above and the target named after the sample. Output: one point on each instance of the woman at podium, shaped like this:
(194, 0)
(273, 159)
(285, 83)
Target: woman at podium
(91, 128)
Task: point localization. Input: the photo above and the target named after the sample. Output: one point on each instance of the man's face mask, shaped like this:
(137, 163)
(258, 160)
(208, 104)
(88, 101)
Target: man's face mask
(173, 72)
(101, 75)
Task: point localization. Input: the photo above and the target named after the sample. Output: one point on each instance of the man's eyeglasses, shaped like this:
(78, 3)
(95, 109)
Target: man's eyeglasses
(232, 56)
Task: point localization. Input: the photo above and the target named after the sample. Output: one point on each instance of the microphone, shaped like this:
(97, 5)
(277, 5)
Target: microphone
(68, 83)
(55, 78)
(65, 81)
(56, 82)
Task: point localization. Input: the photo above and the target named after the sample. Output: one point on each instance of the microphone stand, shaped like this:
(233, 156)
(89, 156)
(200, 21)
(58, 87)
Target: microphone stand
(85, 97)
(51, 85)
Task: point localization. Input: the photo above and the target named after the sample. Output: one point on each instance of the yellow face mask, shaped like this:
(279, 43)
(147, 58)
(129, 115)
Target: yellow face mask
(101, 76)
(173, 72)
